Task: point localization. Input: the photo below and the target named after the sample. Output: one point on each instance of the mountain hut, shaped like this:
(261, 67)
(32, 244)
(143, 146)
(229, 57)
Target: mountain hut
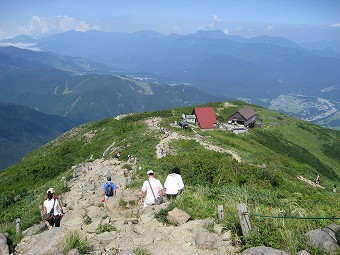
(244, 116)
(205, 117)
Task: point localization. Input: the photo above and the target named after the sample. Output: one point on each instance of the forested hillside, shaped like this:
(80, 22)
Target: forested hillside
(23, 129)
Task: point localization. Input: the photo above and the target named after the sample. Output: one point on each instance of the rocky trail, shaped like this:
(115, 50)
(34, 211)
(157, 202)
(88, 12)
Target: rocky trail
(133, 226)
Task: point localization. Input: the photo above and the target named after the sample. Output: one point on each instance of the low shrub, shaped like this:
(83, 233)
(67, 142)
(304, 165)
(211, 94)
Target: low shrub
(76, 241)
(105, 228)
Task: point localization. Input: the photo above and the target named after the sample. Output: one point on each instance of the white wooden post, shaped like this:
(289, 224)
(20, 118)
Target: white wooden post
(18, 225)
(220, 211)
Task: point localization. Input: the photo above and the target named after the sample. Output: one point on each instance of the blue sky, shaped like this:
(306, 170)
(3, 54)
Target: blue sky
(298, 20)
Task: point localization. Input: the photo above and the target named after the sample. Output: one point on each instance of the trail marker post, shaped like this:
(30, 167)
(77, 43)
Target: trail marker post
(18, 225)
(244, 219)
(220, 212)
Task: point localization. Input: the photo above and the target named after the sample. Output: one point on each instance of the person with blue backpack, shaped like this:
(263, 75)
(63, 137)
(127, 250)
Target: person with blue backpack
(109, 190)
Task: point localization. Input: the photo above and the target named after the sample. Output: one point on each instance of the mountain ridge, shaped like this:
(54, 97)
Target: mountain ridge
(273, 156)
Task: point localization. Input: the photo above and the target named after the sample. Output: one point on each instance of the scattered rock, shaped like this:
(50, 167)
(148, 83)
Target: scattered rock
(126, 252)
(177, 216)
(226, 236)
(73, 252)
(262, 250)
(206, 240)
(303, 252)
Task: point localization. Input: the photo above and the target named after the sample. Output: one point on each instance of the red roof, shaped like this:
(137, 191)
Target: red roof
(205, 117)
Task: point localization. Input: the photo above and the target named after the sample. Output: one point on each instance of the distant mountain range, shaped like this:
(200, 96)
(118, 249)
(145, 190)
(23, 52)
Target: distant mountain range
(23, 129)
(210, 60)
(82, 90)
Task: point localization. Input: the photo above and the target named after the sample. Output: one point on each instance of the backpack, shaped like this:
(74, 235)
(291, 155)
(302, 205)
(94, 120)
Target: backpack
(109, 190)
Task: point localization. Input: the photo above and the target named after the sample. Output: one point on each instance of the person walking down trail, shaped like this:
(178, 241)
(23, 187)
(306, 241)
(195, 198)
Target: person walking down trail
(109, 190)
(317, 181)
(152, 188)
(173, 184)
(53, 203)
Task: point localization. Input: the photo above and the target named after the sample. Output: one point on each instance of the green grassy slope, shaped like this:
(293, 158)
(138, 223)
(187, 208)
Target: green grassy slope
(273, 156)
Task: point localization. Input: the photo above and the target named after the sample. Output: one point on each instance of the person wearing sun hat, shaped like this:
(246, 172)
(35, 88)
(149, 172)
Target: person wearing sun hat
(148, 195)
(53, 203)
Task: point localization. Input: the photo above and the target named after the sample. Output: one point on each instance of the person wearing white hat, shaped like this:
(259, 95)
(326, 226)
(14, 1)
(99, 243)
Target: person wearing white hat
(152, 188)
(53, 203)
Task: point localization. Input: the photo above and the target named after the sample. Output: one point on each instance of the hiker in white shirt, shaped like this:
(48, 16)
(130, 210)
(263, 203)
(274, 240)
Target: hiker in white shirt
(148, 195)
(53, 203)
(173, 184)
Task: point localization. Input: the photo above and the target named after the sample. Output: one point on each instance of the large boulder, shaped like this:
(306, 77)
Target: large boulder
(4, 249)
(48, 242)
(35, 229)
(177, 216)
(262, 250)
(325, 238)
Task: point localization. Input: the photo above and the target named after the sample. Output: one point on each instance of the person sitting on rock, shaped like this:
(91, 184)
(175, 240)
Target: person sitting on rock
(53, 203)
(173, 184)
(109, 190)
(152, 189)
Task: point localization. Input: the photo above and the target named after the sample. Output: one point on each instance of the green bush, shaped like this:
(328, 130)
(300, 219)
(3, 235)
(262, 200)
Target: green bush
(141, 251)
(76, 241)
(105, 228)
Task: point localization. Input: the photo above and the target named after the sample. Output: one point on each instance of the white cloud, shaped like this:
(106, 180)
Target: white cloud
(335, 25)
(211, 26)
(36, 26)
(226, 31)
(66, 23)
(41, 26)
(239, 28)
(216, 19)
(269, 28)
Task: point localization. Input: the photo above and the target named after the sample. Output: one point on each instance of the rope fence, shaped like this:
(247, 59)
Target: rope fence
(244, 215)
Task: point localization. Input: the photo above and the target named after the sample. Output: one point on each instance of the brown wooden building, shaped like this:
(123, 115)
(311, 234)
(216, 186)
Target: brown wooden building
(244, 116)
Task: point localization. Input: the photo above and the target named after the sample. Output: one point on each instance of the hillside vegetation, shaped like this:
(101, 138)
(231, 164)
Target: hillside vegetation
(273, 156)
(23, 129)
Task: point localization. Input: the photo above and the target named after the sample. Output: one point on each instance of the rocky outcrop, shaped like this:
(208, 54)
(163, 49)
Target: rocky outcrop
(44, 243)
(35, 229)
(4, 249)
(325, 238)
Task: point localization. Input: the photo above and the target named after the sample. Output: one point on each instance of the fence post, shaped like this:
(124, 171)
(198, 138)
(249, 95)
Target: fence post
(18, 225)
(244, 219)
(220, 211)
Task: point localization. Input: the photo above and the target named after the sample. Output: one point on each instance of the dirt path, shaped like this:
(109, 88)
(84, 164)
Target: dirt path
(162, 148)
(301, 178)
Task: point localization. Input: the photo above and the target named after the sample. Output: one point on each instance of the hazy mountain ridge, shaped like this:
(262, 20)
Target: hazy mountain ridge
(258, 69)
(170, 56)
(37, 80)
